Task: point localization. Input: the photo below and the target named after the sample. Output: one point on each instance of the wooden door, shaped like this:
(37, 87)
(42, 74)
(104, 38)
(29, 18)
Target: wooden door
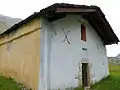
(85, 74)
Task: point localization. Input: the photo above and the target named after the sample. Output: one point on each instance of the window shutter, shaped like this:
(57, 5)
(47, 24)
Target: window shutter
(83, 32)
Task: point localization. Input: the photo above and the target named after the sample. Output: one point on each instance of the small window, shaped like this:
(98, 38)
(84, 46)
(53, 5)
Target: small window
(83, 32)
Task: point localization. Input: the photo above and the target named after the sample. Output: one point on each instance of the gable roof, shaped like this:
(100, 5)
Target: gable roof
(59, 10)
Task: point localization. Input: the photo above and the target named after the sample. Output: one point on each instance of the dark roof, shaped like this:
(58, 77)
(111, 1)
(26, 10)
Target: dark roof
(92, 13)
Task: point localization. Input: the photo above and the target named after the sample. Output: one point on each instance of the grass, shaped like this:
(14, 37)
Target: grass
(112, 82)
(8, 84)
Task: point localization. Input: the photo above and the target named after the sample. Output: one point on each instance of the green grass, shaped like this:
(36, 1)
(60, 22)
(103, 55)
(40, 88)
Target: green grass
(112, 82)
(8, 84)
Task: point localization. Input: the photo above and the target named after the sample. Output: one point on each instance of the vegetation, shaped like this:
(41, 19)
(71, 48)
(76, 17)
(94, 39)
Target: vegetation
(10, 84)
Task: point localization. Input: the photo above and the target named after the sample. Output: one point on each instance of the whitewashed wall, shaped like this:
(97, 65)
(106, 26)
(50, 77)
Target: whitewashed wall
(60, 60)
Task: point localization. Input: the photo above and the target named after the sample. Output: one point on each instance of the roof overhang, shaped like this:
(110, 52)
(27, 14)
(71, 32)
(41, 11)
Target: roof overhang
(92, 13)
(73, 10)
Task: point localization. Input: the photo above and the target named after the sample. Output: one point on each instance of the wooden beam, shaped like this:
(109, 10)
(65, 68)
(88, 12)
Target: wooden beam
(56, 17)
(111, 37)
(73, 10)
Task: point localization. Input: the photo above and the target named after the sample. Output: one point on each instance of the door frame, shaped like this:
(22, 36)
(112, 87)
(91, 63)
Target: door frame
(85, 75)
(88, 71)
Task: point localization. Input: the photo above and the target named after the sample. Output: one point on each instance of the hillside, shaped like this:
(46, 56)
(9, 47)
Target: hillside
(118, 56)
(6, 22)
(114, 60)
